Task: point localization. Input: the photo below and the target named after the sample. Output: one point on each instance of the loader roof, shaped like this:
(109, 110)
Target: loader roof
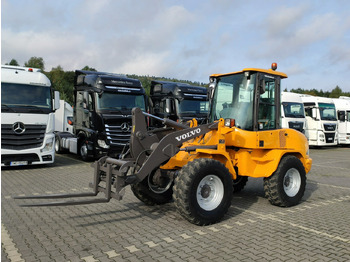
(267, 71)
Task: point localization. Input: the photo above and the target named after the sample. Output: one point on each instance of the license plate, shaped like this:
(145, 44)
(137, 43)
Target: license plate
(18, 163)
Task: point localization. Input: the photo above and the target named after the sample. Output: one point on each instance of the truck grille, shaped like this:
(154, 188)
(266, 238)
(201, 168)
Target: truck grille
(329, 137)
(32, 137)
(296, 125)
(118, 133)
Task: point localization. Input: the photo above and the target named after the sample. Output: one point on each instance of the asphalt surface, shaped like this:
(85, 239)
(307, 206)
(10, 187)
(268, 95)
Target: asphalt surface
(253, 230)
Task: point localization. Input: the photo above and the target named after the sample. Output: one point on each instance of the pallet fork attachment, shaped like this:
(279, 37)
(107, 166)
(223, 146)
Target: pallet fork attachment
(104, 170)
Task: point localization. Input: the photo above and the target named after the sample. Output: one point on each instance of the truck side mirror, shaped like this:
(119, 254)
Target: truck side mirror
(169, 106)
(56, 100)
(85, 100)
(341, 116)
(314, 113)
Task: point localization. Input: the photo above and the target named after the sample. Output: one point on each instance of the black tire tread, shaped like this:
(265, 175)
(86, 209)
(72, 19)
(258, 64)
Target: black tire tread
(272, 183)
(182, 188)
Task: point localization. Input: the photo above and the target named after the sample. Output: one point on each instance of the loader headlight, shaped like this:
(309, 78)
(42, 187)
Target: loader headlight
(48, 146)
(102, 143)
(229, 122)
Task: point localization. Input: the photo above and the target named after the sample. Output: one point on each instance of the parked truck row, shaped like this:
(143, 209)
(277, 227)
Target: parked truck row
(99, 121)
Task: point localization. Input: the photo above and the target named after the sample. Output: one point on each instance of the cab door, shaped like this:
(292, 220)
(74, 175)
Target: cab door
(268, 115)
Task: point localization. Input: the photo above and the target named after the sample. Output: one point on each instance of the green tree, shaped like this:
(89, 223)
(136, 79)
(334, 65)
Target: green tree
(36, 62)
(336, 92)
(87, 68)
(63, 82)
(13, 62)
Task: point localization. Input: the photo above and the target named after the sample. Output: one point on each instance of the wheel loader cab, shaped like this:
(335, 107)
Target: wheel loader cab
(249, 97)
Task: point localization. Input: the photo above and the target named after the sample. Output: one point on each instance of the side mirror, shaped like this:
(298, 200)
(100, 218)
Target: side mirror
(210, 91)
(169, 106)
(56, 100)
(341, 116)
(314, 113)
(85, 100)
(262, 87)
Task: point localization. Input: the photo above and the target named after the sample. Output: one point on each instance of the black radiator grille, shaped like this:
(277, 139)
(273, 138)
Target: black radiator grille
(118, 131)
(32, 137)
(329, 137)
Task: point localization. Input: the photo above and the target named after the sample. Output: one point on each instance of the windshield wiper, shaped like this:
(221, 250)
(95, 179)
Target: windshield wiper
(6, 107)
(33, 108)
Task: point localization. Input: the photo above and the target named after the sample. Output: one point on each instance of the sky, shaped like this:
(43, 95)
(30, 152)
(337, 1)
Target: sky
(188, 40)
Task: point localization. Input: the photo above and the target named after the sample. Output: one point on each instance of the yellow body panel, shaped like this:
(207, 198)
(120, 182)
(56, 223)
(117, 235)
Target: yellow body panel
(255, 154)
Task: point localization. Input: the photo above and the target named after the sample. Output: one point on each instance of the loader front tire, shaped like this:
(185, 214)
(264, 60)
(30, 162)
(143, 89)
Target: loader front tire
(286, 186)
(203, 191)
(144, 193)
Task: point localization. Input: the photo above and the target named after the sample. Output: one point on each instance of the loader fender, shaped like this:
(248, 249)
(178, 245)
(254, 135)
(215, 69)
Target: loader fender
(263, 163)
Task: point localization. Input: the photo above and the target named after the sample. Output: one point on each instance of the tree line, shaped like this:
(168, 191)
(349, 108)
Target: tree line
(63, 81)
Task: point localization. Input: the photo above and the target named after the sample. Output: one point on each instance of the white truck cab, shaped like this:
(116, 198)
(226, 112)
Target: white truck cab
(292, 112)
(342, 105)
(27, 117)
(321, 120)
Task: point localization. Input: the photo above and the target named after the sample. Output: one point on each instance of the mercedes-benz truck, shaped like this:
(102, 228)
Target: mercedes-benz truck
(28, 103)
(101, 114)
(179, 101)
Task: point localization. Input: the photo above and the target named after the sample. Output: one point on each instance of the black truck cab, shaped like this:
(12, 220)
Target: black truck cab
(102, 111)
(179, 101)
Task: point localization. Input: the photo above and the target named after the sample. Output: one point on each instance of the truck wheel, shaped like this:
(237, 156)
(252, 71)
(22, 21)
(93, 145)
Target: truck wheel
(286, 186)
(239, 183)
(151, 197)
(58, 148)
(203, 191)
(83, 150)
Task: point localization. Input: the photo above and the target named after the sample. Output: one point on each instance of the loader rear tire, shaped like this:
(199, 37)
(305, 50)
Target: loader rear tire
(203, 191)
(286, 186)
(143, 192)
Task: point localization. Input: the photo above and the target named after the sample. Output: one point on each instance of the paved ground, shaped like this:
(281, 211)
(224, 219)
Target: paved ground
(253, 230)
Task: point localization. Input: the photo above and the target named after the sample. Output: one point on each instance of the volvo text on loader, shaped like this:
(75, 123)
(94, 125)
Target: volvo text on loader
(198, 166)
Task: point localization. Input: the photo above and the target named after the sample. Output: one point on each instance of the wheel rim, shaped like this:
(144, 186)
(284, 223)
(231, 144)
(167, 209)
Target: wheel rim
(292, 182)
(210, 192)
(57, 145)
(83, 150)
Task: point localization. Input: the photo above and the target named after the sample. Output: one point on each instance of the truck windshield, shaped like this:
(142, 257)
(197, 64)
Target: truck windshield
(26, 98)
(327, 111)
(192, 107)
(294, 110)
(234, 98)
(120, 102)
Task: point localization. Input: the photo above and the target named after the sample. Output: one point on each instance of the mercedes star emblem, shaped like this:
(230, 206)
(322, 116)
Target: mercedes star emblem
(18, 128)
(125, 127)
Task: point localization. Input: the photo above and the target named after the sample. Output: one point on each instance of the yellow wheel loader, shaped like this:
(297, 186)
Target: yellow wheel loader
(200, 166)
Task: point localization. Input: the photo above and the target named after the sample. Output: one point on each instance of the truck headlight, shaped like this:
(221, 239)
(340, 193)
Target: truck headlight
(102, 143)
(48, 146)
